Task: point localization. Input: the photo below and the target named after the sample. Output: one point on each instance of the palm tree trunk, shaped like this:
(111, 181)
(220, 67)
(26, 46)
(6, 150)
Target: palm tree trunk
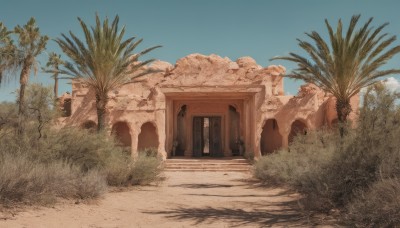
(343, 109)
(101, 103)
(23, 81)
(55, 86)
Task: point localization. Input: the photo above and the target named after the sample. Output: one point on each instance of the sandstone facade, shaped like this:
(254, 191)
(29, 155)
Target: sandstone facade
(206, 106)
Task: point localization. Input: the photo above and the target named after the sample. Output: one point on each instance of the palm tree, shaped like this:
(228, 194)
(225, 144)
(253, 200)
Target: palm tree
(346, 64)
(105, 62)
(53, 65)
(30, 44)
(7, 51)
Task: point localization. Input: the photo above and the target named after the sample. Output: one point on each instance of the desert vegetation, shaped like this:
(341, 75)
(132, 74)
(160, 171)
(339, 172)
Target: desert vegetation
(358, 175)
(40, 162)
(356, 170)
(46, 163)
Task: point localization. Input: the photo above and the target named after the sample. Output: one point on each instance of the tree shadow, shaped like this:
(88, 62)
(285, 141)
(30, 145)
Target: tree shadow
(233, 196)
(282, 214)
(196, 186)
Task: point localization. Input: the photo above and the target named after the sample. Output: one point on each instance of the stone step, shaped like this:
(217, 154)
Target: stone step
(207, 165)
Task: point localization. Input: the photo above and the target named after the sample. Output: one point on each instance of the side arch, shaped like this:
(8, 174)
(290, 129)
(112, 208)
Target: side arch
(121, 131)
(297, 127)
(271, 139)
(148, 137)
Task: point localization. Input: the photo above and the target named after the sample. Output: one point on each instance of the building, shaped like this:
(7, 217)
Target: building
(206, 106)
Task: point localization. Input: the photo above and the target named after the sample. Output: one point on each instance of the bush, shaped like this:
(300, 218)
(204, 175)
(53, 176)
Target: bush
(379, 206)
(306, 156)
(29, 181)
(44, 163)
(346, 173)
(145, 169)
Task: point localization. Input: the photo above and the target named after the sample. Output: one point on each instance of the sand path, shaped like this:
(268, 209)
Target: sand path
(185, 199)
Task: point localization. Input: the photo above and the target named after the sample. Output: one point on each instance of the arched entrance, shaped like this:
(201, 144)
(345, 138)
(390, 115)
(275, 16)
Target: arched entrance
(271, 139)
(122, 134)
(298, 127)
(148, 137)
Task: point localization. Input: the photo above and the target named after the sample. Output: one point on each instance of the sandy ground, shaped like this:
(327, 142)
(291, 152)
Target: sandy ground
(184, 199)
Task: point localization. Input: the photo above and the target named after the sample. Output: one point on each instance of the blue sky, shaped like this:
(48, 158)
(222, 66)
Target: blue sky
(233, 28)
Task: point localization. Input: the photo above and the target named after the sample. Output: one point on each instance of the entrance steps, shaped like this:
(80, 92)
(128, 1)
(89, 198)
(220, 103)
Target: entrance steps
(182, 164)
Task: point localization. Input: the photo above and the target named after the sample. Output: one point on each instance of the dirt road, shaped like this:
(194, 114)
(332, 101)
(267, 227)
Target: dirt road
(184, 199)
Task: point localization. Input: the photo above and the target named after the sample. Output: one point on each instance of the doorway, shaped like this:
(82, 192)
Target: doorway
(207, 136)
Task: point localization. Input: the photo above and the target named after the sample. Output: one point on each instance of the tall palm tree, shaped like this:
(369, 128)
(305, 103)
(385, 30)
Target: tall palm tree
(345, 64)
(104, 61)
(52, 67)
(30, 44)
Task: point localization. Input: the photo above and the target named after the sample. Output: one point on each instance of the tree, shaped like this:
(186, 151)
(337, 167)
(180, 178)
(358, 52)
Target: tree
(7, 53)
(103, 62)
(53, 65)
(30, 44)
(347, 63)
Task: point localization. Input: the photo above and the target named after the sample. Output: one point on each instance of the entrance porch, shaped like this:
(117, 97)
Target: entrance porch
(209, 124)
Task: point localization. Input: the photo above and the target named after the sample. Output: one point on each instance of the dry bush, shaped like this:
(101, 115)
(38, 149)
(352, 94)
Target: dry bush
(307, 154)
(347, 173)
(145, 170)
(379, 206)
(28, 181)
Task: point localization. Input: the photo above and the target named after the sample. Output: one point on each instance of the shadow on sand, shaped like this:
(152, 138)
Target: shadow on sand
(286, 215)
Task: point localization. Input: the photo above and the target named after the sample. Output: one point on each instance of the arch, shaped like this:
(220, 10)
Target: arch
(148, 137)
(298, 127)
(89, 125)
(121, 131)
(271, 139)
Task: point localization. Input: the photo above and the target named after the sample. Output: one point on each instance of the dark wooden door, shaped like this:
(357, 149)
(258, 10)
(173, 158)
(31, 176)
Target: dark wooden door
(198, 123)
(215, 137)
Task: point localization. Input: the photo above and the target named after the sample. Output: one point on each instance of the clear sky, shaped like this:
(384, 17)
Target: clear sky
(233, 28)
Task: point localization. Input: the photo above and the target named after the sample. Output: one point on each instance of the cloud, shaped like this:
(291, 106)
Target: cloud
(392, 84)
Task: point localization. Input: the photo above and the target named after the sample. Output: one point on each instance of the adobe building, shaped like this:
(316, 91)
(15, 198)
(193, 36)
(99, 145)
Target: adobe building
(206, 106)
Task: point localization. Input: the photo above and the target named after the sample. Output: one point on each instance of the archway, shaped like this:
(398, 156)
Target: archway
(148, 137)
(122, 133)
(271, 139)
(89, 125)
(298, 127)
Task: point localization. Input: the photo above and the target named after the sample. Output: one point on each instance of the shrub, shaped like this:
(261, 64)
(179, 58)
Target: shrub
(44, 163)
(347, 173)
(307, 155)
(29, 181)
(145, 169)
(379, 206)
